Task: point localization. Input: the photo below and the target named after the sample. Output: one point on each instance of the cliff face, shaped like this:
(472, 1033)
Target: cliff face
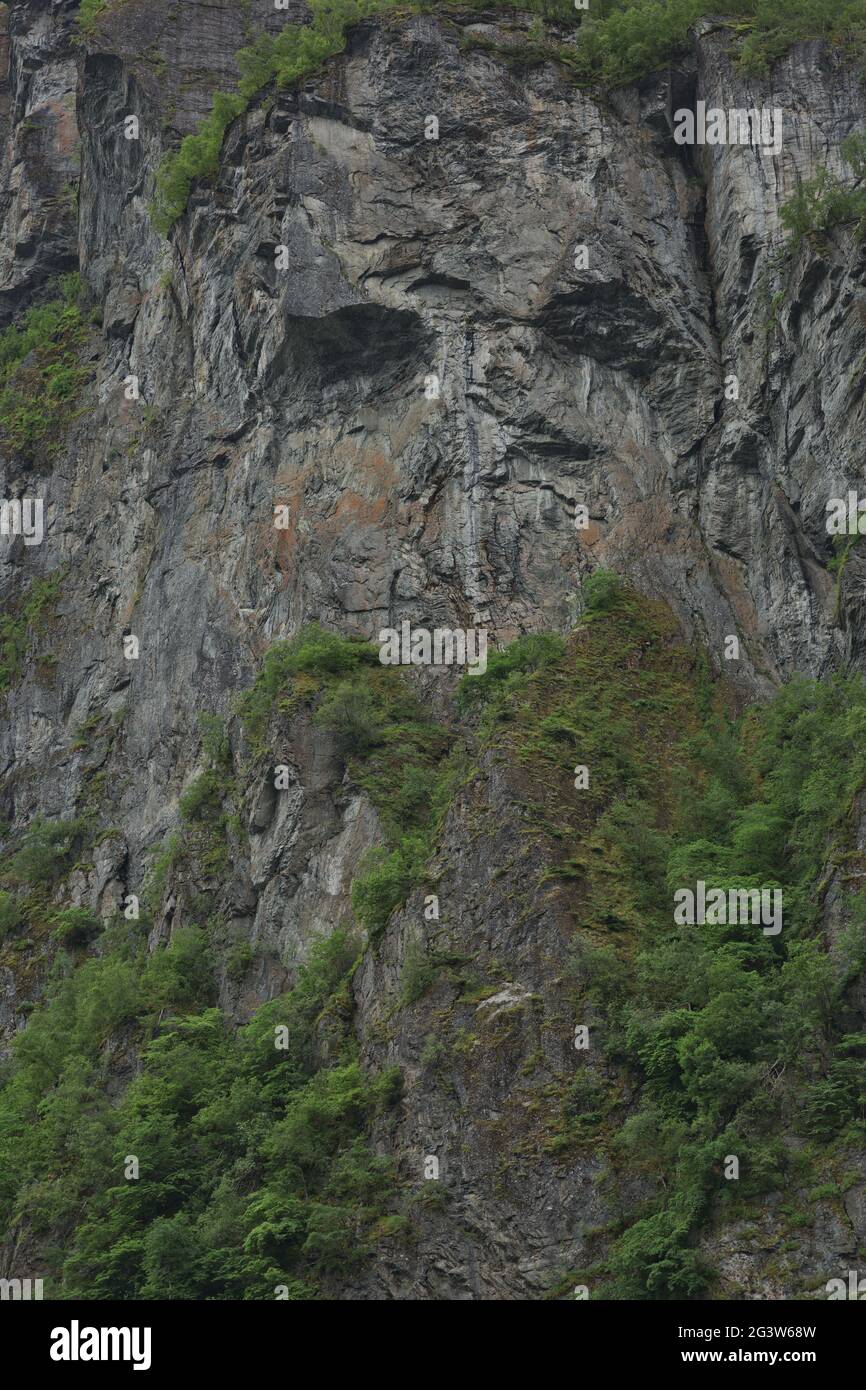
(433, 386)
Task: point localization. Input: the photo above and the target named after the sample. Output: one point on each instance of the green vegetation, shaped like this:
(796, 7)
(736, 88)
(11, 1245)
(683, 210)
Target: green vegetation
(26, 620)
(12, 914)
(253, 1166)
(824, 202)
(207, 806)
(76, 926)
(618, 42)
(625, 39)
(407, 764)
(298, 51)
(774, 25)
(722, 1030)
(44, 852)
(32, 868)
(40, 373)
(292, 671)
(88, 13)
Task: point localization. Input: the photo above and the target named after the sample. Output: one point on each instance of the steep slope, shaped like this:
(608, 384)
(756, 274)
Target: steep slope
(397, 343)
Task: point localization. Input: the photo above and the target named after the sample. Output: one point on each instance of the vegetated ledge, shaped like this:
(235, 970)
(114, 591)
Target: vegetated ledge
(41, 373)
(625, 42)
(696, 1018)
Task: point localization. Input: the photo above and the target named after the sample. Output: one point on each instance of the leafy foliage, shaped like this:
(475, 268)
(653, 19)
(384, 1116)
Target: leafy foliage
(40, 373)
(22, 622)
(255, 1163)
(779, 23)
(825, 201)
(88, 13)
(44, 851)
(254, 1170)
(723, 1030)
(295, 53)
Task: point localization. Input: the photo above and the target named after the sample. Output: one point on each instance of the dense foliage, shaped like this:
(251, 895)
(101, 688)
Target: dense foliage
(41, 372)
(732, 1037)
(827, 201)
(22, 623)
(255, 1167)
(254, 1178)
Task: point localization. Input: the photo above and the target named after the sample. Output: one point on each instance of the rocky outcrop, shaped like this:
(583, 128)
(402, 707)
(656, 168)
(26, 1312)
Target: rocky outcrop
(433, 386)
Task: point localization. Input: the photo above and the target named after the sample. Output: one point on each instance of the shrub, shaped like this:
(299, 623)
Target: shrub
(824, 201)
(88, 13)
(419, 972)
(385, 880)
(601, 591)
(76, 926)
(313, 653)
(12, 914)
(45, 851)
(652, 1260)
(202, 801)
(180, 973)
(349, 711)
(215, 741)
(508, 669)
(198, 157)
(40, 375)
(27, 619)
(238, 961)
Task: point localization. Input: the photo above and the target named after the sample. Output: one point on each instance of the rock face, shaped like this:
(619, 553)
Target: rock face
(433, 386)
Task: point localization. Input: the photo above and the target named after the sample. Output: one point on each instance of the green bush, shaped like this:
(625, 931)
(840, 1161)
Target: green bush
(839, 1098)
(823, 202)
(215, 742)
(256, 1169)
(313, 653)
(653, 1260)
(419, 973)
(238, 961)
(76, 926)
(12, 914)
(44, 852)
(385, 879)
(777, 24)
(88, 12)
(508, 670)
(198, 157)
(40, 372)
(24, 621)
(622, 40)
(181, 972)
(601, 591)
(349, 711)
(202, 801)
